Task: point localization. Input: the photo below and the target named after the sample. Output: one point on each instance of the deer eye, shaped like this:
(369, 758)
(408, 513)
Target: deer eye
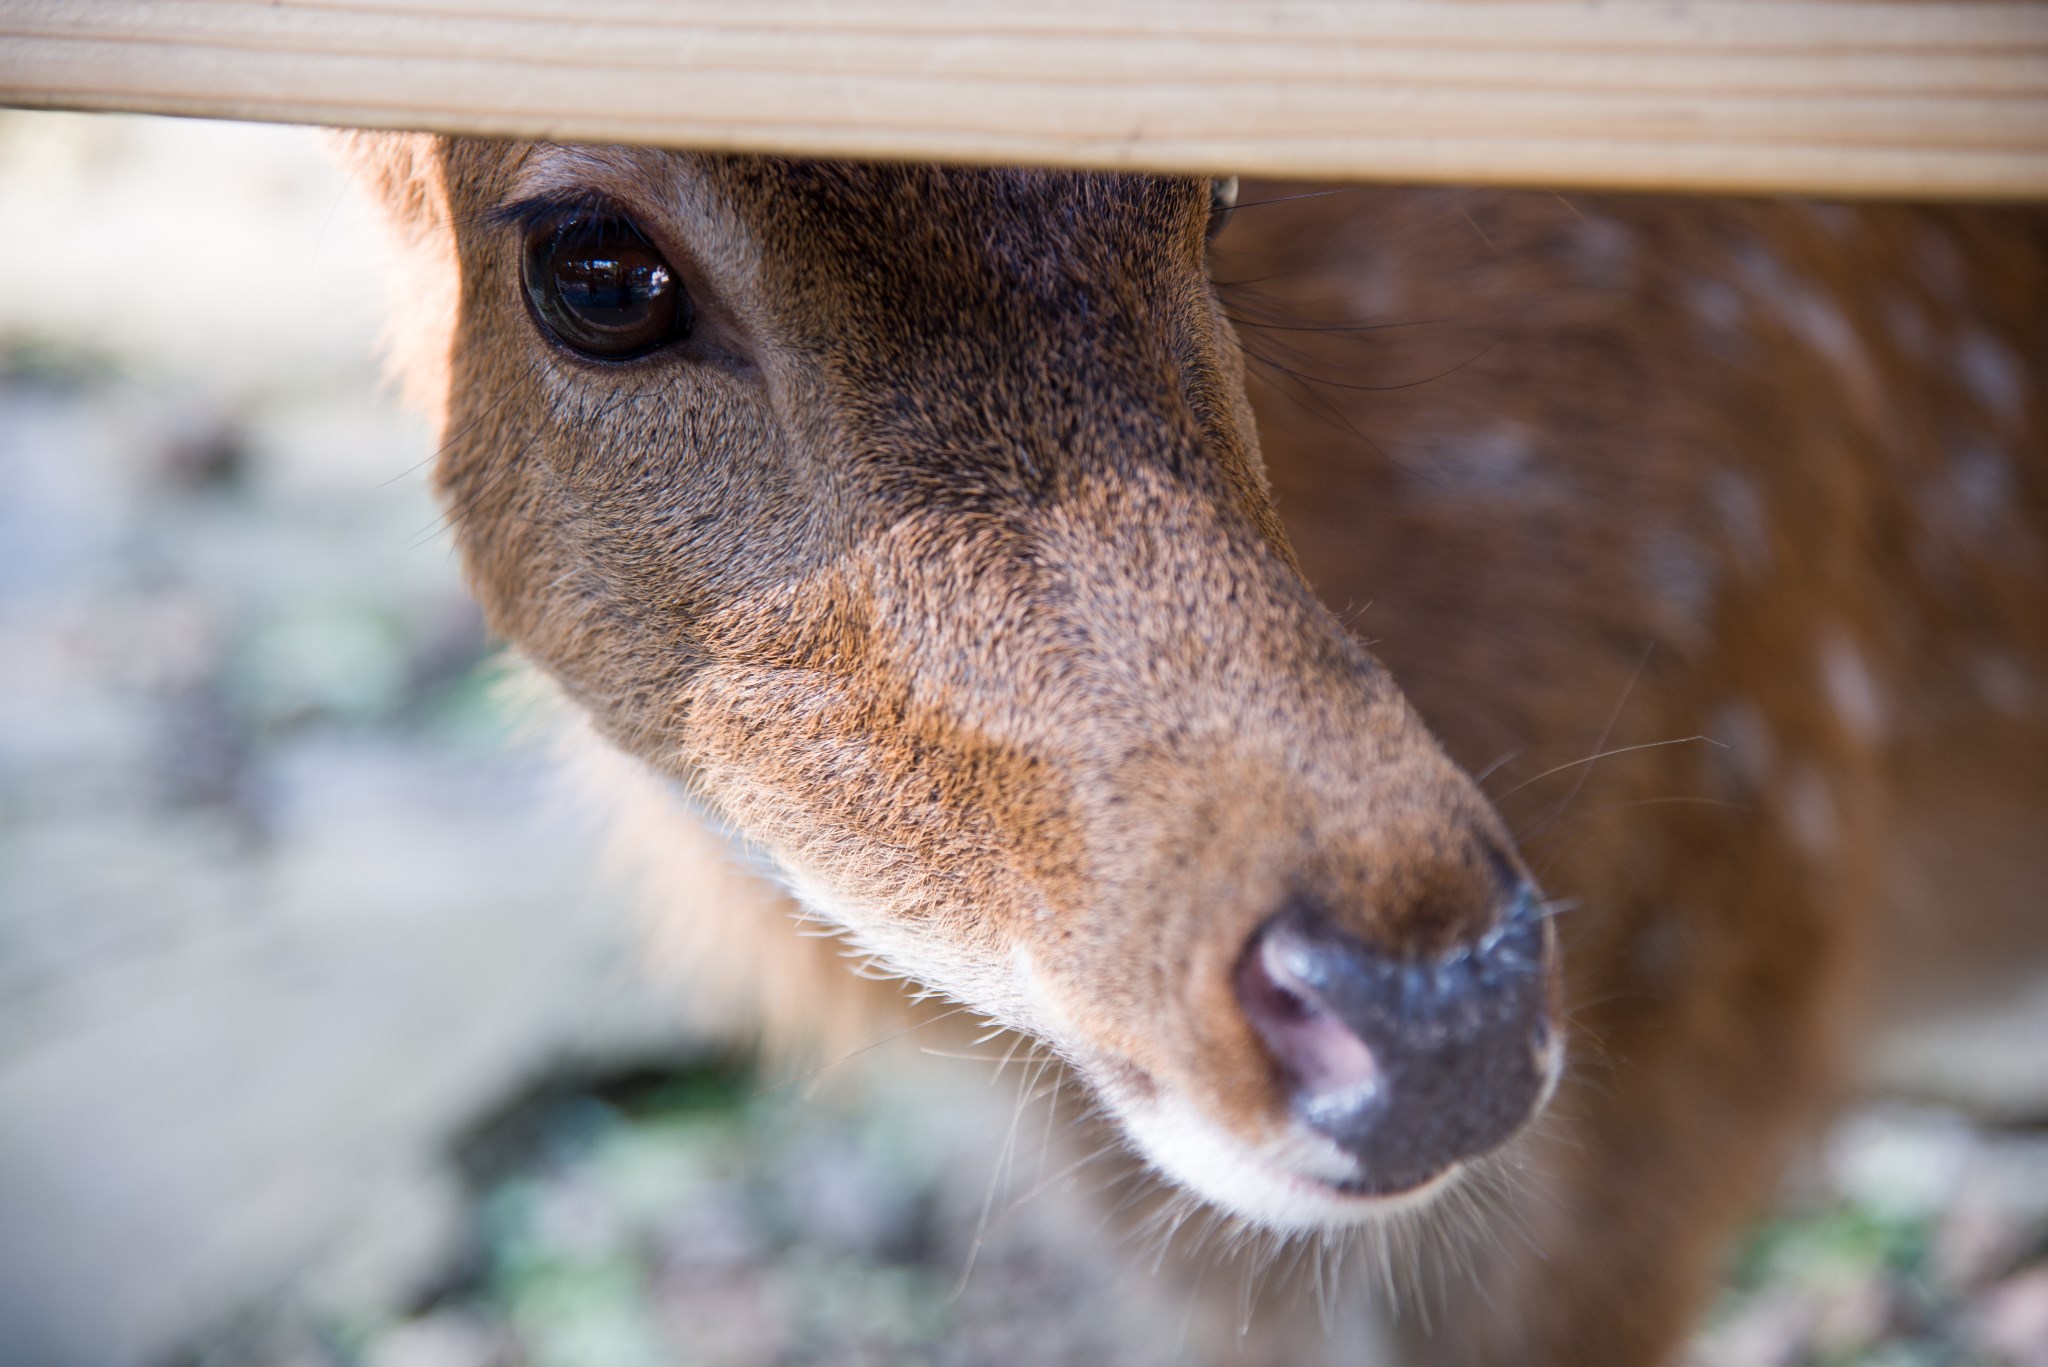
(602, 288)
(1222, 199)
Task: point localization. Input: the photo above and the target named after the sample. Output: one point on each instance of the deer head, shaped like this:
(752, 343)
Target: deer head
(913, 519)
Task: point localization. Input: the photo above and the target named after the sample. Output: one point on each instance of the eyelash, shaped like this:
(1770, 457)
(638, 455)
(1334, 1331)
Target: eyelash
(526, 215)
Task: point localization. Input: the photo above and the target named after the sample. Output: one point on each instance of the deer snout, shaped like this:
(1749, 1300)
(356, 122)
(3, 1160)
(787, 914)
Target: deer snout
(1407, 1065)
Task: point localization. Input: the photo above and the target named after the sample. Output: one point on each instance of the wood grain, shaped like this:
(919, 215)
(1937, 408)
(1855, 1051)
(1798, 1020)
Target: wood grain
(1904, 98)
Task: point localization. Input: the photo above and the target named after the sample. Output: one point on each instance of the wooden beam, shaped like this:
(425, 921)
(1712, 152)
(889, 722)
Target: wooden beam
(1903, 98)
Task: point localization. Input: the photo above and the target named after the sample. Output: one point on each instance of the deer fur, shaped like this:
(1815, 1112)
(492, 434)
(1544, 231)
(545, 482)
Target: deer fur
(964, 588)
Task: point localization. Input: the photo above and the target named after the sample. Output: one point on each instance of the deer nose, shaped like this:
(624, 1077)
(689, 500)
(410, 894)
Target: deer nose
(1408, 1065)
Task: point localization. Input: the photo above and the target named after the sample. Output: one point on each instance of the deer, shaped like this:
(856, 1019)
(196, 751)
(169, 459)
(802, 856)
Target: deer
(975, 561)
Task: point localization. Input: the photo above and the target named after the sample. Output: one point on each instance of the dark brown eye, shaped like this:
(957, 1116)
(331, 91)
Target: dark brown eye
(602, 288)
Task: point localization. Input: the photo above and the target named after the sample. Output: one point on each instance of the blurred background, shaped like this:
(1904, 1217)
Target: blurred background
(322, 1042)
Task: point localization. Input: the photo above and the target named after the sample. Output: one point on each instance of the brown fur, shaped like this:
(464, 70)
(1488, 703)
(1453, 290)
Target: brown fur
(942, 570)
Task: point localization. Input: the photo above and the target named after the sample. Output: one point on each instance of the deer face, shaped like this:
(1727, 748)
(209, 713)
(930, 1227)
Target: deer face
(913, 519)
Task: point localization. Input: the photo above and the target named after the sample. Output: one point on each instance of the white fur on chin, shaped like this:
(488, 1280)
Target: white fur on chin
(1281, 1186)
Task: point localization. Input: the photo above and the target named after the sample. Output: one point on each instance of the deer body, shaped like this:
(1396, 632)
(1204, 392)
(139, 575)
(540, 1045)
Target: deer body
(1771, 474)
(930, 551)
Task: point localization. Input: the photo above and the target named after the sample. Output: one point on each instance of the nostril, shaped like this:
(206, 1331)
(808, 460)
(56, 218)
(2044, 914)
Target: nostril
(1271, 999)
(1329, 1065)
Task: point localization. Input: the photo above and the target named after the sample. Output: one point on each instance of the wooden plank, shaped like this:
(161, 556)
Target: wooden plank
(1907, 98)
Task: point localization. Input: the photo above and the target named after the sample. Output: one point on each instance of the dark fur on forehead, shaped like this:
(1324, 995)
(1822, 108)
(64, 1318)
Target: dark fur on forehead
(1020, 323)
(1047, 268)
(1040, 221)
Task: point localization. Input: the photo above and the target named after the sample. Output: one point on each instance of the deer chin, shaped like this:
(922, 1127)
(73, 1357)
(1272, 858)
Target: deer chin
(1295, 1183)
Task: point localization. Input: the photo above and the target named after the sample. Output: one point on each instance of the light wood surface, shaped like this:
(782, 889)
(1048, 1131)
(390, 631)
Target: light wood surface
(1910, 98)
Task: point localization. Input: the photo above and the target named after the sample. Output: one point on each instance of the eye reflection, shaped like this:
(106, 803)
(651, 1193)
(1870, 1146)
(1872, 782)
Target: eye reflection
(601, 288)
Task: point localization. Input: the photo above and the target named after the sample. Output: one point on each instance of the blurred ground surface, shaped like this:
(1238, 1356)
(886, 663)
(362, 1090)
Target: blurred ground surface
(287, 915)
(280, 907)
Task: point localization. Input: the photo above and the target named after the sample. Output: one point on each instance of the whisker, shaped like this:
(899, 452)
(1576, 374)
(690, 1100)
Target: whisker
(1325, 381)
(889, 1038)
(1488, 772)
(1490, 246)
(1239, 320)
(1606, 754)
(1606, 731)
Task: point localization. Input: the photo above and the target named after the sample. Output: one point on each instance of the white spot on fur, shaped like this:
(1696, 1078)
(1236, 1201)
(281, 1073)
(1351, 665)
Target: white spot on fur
(1851, 687)
(1603, 251)
(1941, 265)
(1716, 305)
(1810, 812)
(1660, 951)
(2001, 682)
(1816, 320)
(1681, 573)
(1826, 329)
(1908, 327)
(1993, 373)
(1978, 491)
(1839, 220)
(1741, 506)
(1740, 726)
(1498, 458)
(1377, 291)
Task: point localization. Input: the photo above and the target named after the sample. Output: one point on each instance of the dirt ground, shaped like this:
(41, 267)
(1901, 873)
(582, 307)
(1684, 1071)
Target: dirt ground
(320, 1040)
